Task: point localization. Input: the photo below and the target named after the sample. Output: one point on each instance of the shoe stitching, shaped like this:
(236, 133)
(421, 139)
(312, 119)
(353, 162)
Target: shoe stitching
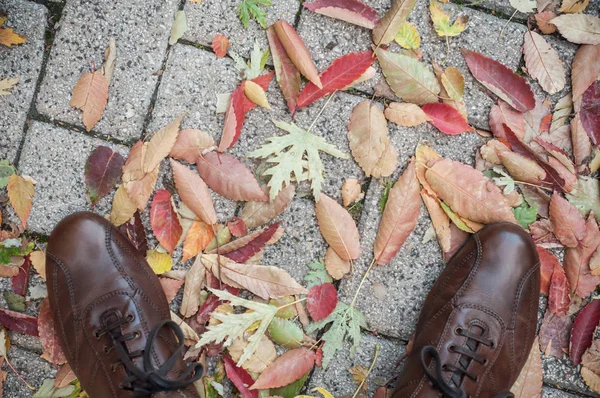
(94, 373)
(517, 299)
(454, 270)
(474, 268)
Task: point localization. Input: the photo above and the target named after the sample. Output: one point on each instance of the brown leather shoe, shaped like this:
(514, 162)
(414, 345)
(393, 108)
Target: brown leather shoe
(111, 314)
(478, 323)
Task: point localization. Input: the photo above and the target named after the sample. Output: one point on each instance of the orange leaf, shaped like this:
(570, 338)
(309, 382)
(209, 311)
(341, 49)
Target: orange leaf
(9, 38)
(160, 145)
(198, 237)
(190, 144)
(64, 377)
(286, 369)
(194, 193)
(335, 266)
(220, 45)
(399, 216)
(577, 260)
(48, 336)
(90, 94)
(338, 228)
(367, 135)
(288, 76)
(138, 184)
(20, 193)
(164, 220)
(170, 287)
(569, 225)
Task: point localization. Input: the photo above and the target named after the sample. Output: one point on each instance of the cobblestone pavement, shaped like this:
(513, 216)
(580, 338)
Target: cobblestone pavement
(154, 82)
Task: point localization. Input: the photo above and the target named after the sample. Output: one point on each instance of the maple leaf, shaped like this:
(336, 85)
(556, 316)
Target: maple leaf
(441, 21)
(250, 8)
(346, 322)
(7, 84)
(292, 154)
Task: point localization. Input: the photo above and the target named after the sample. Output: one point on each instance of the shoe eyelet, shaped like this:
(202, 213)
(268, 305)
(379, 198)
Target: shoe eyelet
(136, 335)
(458, 331)
(451, 348)
(493, 345)
(130, 317)
(106, 349)
(97, 334)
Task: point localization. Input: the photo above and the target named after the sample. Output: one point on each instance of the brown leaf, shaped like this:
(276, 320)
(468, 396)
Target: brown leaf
(584, 71)
(522, 168)
(542, 19)
(425, 157)
(38, 260)
(548, 262)
(543, 63)
(90, 94)
(264, 281)
(388, 162)
(554, 335)
(454, 81)
(468, 192)
(229, 177)
(48, 336)
(194, 193)
(338, 228)
(197, 238)
(335, 266)
(388, 26)
(20, 194)
(351, 191)
(286, 369)
(579, 28)
(123, 208)
(439, 220)
(591, 358)
(591, 379)
(559, 298)
(405, 114)
(577, 260)
(138, 183)
(190, 143)
(367, 132)
(160, 145)
(399, 216)
(288, 76)
(568, 223)
(505, 114)
(220, 45)
(529, 382)
(573, 6)
(64, 377)
(256, 214)
(194, 283)
(582, 146)
(264, 355)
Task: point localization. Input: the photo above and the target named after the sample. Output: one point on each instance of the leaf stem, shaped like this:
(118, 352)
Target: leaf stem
(506, 24)
(362, 281)
(292, 303)
(321, 111)
(18, 374)
(377, 348)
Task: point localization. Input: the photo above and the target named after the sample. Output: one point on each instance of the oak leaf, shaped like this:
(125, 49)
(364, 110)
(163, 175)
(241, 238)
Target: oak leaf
(388, 26)
(405, 114)
(220, 45)
(367, 132)
(165, 221)
(338, 228)
(286, 369)
(194, 193)
(20, 194)
(102, 172)
(543, 63)
(90, 94)
(352, 11)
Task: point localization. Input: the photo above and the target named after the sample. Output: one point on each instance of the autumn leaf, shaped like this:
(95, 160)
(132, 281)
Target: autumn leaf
(441, 21)
(158, 261)
(135, 232)
(548, 262)
(590, 112)
(194, 282)
(288, 75)
(335, 265)
(49, 336)
(264, 281)
(321, 301)
(388, 26)
(584, 71)
(240, 378)
(285, 333)
(64, 376)
(38, 260)
(352, 11)
(138, 184)
(573, 6)
(297, 51)
(410, 79)
(178, 28)
(577, 261)
(257, 213)
(7, 84)
(408, 36)
(18, 322)
(446, 118)
(20, 282)
(20, 194)
(165, 221)
(569, 225)
(286, 369)
(554, 335)
(197, 238)
(256, 94)
(500, 80)
(591, 357)
(583, 330)
(503, 114)
(338, 228)
(579, 28)
(160, 145)
(399, 217)
(171, 287)
(559, 296)
(8, 37)
(405, 114)
(453, 82)
(229, 177)
(102, 172)
(220, 45)
(522, 168)
(543, 63)
(351, 191)
(194, 193)
(341, 73)
(367, 134)
(90, 94)
(264, 355)
(123, 208)
(234, 119)
(190, 144)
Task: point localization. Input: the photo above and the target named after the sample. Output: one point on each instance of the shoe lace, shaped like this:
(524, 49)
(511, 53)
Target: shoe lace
(150, 379)
(468, 353)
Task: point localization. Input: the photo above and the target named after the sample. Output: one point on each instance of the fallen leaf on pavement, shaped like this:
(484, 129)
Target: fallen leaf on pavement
(590, 112)
(90, 94)
(351, 191)
(335, 265)
(190, 143)
(554, 335)
(158, 261)
(194, 193)
(7, 84)
(543, 63)
(579, 28)
(49, 337)
(388, 26)
(338, 228)
(405, 114)
(165, 221)
(446, 118)
(220, 45)
(20, 194)
(529, 382)
(194, 283)
(286, 369)
(367, 132)
(102, 172)
(321, 301)
(352, 11)
(583, 330)
(569, 225)
(197, 238)
(257, 213)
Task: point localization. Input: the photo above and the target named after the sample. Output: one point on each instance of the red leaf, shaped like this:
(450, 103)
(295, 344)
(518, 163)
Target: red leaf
(171, 287)
(286, 369)
(288, 75)
(263, 81)
(559, 298)
(164, 220)
(234, 119)
(229, 177)
(554, 334)
(20, 283)
(102, 172)
(240, 250)
(321, 301)
(568, 223)
(220, 45)
(548, 262)
(590, 112)
(211, 303)
(135, 232)
(502, 81)
(237, 227)
(577, 260)
(504, 114)
(239, 377)
(48, 337)
(545, 124)
(446, 118)
(342, 72)
(352, 11)
(583, 330)
(18, 322)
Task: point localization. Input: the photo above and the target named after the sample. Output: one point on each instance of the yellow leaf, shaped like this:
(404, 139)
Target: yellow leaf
(90, 94)
(454, 83)
(7, 84)
(198, 237)
(321, 390)
(38, 260)
(441, 21)
(8, 37)
(159, 262)
(573, 6)
(408, 36)
(123, 207)
(160, 145)
(20, 193)
(256, 94)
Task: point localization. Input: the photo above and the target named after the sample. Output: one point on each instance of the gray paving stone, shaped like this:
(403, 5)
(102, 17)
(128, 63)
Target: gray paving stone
(141, 29)
(192, 80)
(499, 8)
(549, 392)
(338, 380)
(328, 39)
(25, 61)
(562, 373)
(31, 367)
(208, 18)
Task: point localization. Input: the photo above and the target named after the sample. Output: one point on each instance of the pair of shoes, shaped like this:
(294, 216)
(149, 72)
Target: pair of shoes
(111, 314)
(478, 323)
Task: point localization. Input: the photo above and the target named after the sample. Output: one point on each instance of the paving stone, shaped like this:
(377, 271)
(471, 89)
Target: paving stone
(499, 8)
(192, 80)
(31, 367)
(338, 380)
(328, 39)
(564, 374)
(208, 18)
(141, 29)
(24, 61)
(549, 392)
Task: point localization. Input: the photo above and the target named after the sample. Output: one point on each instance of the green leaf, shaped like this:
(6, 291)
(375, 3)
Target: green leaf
(292, 154)
(441, 21)
(13, 247)
(388, 184)
(455, 218)
(291, 390)
(287, 311)
(525, 214)
(504, 180)
(249, 8)
(586, 196)
(408, 36)
(256, 64)
(317, 275)
(285, 333)
(346, 323)
(6, 170)
(14, 301)
(47, 390)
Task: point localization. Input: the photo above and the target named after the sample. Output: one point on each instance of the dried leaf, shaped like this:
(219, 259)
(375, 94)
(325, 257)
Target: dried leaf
(256, 94)
(441, 21)
(229, 177)
(48, 336)
(135, 232)
(579, 28)
(542, 19)
(584, 71)
(64, 377)
(569, 225)
(123, 208)
(573, 6)
(286, 369)
(525, 6)
(408, 36)
(8, 37)
(297, 51)
(197, 239)
(288, 75)
(138, 183)
(243, 249)
(20, 282)
(178, 28)
(439, 220)
(367, 131)
(453, 82)
(351, 191)
(387, 27)
(90, 94)
(582, 146)
(190, 144)
(502, 114)
(18, 322)
(548, 262)
(338, 228)
(335, 265)
(240, 378)
(171, 287)
(522, 168)
(411, 80)
(543, 63)
(234, 119)
(264, 355)
(102, 172)
(159, 262)
(554, 335)
(352, 11)
(38, 260)
(160, 145)
(529, 382)
(321, 301)
(405, 114)
(8, 83)
(256, 213)
(590, 112)
(220, 45)
(591, 379)
(500, 80)
(577, 261)
(194, 282)
(591, 357)
(446, 118)
(20, 194)
(583, 330)
(194, 193)
(110, 57)
(165, 221)
(559, 298)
